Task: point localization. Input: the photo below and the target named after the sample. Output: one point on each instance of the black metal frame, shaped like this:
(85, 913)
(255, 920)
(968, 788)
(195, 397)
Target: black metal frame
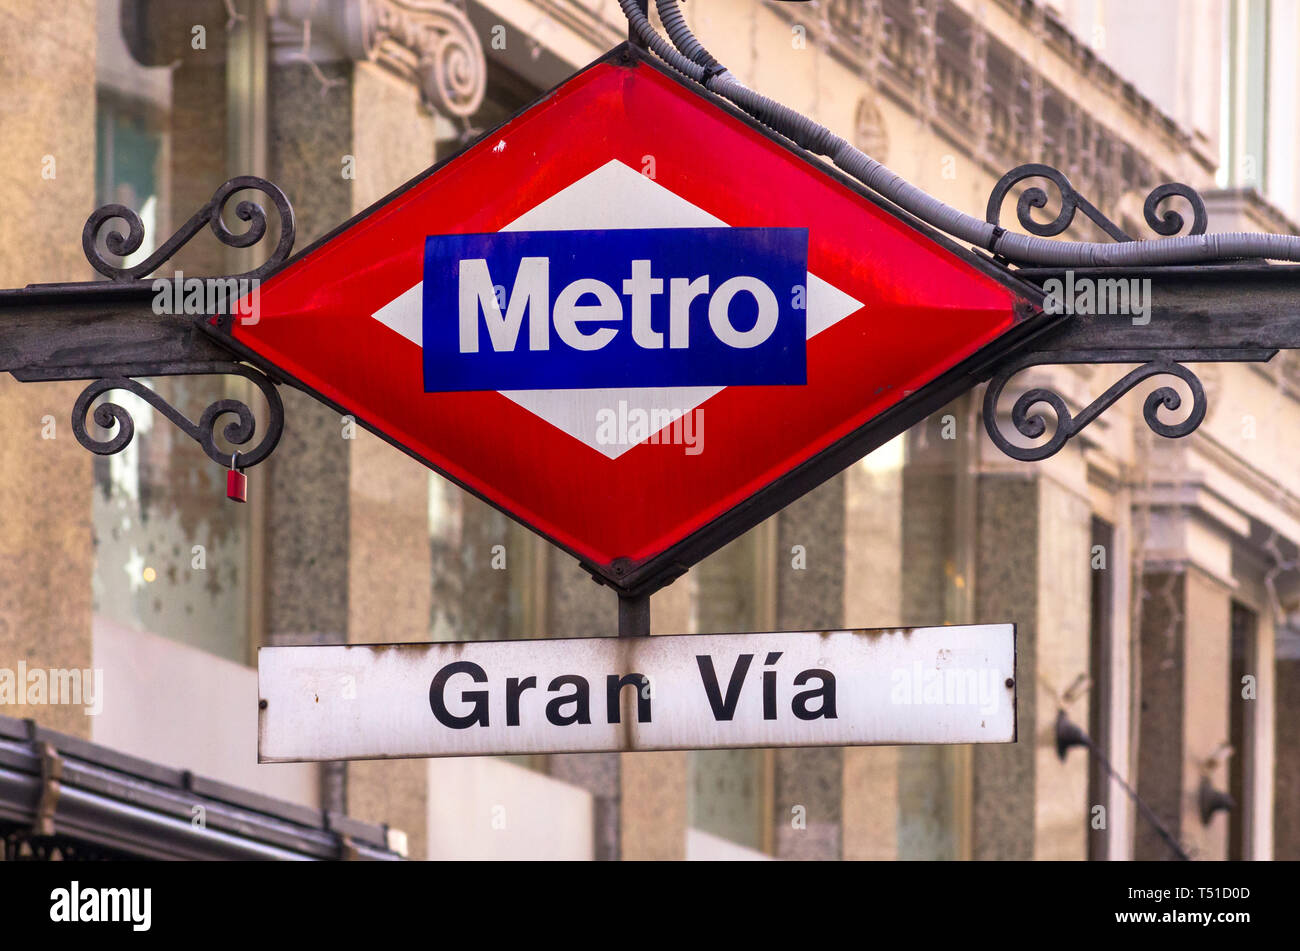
(106, 332)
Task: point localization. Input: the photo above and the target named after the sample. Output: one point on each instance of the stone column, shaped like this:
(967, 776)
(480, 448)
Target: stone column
(639, 808)
(309, 131)
(1160, 736)
(1186, 630)
(927, 823)
(47, 72)
(1032, 568)
(873, 551)
(307, 478)
(1062, 636)
(1261, 736)
(389, 552)
(1003, 777)
(389, 597)
(578, 607)
(198, 124)
(808, 784)
(1205, 704)
(1286, 751)
(349, 550)
(653, 809)
(729, 791)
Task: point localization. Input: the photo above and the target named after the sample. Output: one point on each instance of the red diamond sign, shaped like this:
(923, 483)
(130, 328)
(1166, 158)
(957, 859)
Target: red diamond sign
(635, 321)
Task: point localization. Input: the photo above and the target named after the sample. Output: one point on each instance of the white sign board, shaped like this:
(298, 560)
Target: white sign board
(819, 688)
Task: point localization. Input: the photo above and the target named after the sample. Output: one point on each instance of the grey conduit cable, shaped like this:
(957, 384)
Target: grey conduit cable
(682, 37)
(661, 47)
(684, 53)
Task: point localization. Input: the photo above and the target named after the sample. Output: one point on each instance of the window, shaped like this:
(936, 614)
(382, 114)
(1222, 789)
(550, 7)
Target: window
(938, 526)
(171, 553)
(729, 791)
(1245, 145)
(489, 573)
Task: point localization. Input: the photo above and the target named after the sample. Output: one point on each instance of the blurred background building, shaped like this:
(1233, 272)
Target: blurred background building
(1154, 583)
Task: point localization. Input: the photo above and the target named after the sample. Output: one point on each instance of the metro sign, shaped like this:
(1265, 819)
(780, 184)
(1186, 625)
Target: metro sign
(635, 321)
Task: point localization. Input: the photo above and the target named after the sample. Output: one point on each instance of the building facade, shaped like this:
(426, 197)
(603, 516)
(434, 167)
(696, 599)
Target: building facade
(1156, 584)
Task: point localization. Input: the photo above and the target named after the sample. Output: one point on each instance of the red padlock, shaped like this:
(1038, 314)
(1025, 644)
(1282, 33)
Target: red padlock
(236, 482)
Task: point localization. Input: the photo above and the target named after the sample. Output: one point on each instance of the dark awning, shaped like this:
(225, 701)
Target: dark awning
(57, 788)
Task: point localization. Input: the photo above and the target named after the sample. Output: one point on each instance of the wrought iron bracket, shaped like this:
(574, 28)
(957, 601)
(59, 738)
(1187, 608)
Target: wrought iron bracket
(1225, 312)
(1209, 314)
(1152, 363)
(1166, 224)
(238, 431)
(212, 214)
(113, 333)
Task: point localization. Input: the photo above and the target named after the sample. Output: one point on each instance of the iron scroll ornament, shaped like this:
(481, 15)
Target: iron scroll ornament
(239, 431)
(1167, 223)
(126, 243)
(1032, 425)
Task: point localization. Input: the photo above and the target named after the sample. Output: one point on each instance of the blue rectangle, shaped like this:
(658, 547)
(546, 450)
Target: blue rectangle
(533, 310)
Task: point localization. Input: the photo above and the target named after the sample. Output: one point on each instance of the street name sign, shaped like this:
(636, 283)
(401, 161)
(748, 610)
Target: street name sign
(816, 688)
(635, 320)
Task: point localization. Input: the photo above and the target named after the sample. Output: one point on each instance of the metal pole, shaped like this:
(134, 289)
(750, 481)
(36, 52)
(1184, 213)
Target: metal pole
(634, 615)
(633, 621)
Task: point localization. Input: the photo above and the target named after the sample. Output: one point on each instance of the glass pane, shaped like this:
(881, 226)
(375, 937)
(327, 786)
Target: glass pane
(727, 787)
(487, 579)
(171, 550)
(471, 566)
(934, 590)
(726, 794)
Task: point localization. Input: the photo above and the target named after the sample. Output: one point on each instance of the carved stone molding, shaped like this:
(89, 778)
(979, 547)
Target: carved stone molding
(431, 43)
(869, 131)
(937, 62)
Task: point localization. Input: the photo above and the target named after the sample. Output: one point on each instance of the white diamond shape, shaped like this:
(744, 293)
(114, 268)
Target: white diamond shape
(614, 196)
